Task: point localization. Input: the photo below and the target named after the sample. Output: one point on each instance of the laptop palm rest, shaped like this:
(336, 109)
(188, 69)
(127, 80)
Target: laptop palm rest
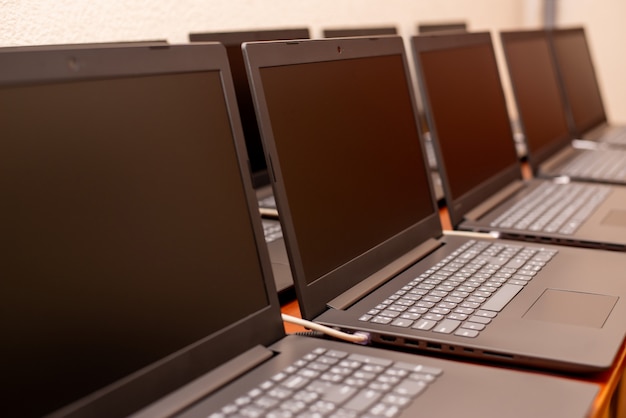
(573, 308)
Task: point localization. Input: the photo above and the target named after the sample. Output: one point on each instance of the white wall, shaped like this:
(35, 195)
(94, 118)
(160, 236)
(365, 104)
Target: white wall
(32, 22)
(605, 25)
(28, 22)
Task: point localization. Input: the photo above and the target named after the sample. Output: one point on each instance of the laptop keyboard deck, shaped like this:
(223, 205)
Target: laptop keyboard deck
(554, 208)
(335, 383)
(463, 293)
(607, 165)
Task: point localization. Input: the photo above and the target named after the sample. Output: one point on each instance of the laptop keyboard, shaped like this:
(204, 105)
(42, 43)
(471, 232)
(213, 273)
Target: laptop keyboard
(554, 208)
(462, 294)
(598, 165)
(618, 139)
(336, 384)
(272, 231)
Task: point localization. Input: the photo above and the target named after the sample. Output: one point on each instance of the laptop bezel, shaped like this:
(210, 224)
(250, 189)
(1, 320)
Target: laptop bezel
(536, 157)
(459, 206)
(58, 64)
(260, 177)
(578, 131)
(314, 296)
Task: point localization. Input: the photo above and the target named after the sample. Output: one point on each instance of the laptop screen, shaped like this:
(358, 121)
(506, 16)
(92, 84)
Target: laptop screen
(534, 79)
(579, 80)
(232, 41)
(350, 156)
(468, 113)
(115, 250)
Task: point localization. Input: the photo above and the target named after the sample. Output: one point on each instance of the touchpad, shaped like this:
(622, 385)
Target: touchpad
(573, 308)
(615, 218)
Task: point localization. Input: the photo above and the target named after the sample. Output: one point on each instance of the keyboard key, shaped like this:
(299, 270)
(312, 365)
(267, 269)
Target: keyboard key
(424, 324)
(447, 326)
(473, 325)
(410, 388)
(403, 323)
(464, 332)
(363, 400)
(502, 297)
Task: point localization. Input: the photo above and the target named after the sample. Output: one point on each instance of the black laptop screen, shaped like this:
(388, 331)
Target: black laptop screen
(114, 250)
(579, 80)
(469, 114)
(536, 86)
(350, 156)
(232, 41)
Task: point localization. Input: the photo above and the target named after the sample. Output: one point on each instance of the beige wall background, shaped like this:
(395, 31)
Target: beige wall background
(36, 22)
(605, 24)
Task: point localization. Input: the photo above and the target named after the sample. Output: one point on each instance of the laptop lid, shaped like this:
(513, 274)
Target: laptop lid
(367, 31)
(430, 27)
(351, 200)
(232, 41)
(580, 85)
(537, 92)
(466, 111)
(119, 266)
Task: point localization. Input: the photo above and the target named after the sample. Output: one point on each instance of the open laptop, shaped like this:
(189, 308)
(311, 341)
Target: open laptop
(258, 167)
(482, 176)
(543, 116)
(582, 92)
(378, 261)
(130, 290)
(440, 27)
(359, 31)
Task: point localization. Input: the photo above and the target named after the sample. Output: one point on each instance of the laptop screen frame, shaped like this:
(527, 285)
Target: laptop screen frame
(537, 156)
(601, 118)
(264, 326)
(459, 206)
(235, 39)
(313, 295)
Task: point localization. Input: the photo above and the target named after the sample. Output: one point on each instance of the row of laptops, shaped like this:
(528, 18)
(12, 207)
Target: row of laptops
(546, 100)
(136, 279)
(260, 177)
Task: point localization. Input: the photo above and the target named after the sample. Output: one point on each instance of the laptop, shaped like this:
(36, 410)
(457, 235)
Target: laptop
(582, 92)
(481, 173)
(258, 167)
(359, 31)
(543, 116)
(440, 27)
(378, 262)
(122, 297)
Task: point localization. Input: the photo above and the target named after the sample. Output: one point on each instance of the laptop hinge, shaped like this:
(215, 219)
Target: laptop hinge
(206, 384)
(374, 281)
(494, 200)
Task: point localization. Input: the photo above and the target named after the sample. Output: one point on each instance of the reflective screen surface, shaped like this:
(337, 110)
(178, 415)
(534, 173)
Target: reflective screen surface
(535, 81)
(579, 80)
(115, 251)
(350, 156)
(469, 114)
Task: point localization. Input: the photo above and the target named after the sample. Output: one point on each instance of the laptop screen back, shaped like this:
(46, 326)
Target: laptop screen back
(575, 66)
(350, 156)
(468, 113)
(536, 85)
(347, 32)
(115, 250)
(232, 41)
